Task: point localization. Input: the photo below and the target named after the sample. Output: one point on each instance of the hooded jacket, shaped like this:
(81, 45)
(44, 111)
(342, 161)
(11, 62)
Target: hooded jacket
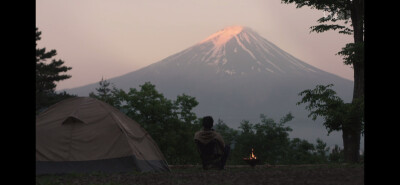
(205, 136)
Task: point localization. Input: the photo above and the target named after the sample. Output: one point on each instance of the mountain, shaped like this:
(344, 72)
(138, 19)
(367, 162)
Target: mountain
(235, 74)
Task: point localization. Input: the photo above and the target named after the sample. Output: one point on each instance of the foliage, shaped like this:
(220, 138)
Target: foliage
(300, 151)
(344, 11)
(171, 124)
(226, 132)
(272, 144)
(106, 94)
(47, 74)
(321, 151)
(337, 155)
(323, 102)
(148, 106)
(183, 108)
(339, 10)
(353, 54)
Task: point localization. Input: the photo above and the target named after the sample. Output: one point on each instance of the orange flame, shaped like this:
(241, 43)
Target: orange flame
(252, 156)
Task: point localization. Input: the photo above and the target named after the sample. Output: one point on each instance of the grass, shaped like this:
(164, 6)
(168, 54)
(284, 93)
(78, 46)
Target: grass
(189, 175)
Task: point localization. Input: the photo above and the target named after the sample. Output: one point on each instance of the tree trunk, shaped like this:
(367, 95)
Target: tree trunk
(352, 132)
(357, 18)
(351, 144)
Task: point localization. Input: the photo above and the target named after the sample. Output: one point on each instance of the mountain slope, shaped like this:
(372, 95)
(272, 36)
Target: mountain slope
(236, 74)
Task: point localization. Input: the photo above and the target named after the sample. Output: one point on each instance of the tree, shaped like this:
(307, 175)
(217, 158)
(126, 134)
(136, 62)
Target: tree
(183, 108)
(148, 107)
(323, 102)
(321, 150)
(300, 152)
(271, 143)
(336, 155)
(106, 94)
(47, 74)
(353, 53)
(226, 132)
(171, 124)
(269, 139)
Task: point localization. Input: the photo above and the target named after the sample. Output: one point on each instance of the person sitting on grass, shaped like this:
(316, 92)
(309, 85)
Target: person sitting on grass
(211, 145)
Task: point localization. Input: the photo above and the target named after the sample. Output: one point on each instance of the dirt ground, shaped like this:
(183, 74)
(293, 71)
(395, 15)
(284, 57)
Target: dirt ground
(240, 175)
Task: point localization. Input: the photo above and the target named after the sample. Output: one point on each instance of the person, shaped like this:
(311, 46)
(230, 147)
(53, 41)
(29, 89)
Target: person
(206, 135)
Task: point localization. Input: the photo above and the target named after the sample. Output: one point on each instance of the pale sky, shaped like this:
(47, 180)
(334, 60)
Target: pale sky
(109, 38)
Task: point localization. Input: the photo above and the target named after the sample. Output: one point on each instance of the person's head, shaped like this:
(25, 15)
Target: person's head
(208, 122)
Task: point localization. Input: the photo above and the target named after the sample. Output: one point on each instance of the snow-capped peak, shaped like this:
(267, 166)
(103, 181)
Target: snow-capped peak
(223, 36)
(238, 50)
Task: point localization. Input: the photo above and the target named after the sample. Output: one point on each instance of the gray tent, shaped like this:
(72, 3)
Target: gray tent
(85, 135)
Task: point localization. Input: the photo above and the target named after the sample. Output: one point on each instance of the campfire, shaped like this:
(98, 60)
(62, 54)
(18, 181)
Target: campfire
(252, 160)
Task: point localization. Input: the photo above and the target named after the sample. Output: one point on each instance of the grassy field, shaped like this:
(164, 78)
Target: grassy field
(242, 175)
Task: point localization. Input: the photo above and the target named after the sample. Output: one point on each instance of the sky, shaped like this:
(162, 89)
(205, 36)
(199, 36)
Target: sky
(109, 38)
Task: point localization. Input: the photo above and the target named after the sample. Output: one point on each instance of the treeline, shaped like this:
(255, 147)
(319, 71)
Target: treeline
(272, 144)
(172, 124)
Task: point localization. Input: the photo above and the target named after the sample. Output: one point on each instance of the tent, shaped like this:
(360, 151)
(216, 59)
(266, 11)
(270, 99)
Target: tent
(83, 134)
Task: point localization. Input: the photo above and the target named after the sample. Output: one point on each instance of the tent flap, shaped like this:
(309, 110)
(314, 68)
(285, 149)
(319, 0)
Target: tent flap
(72, 119)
